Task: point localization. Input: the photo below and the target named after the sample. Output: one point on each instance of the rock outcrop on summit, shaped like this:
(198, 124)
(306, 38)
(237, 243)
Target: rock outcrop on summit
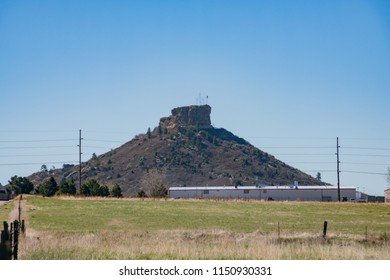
(189, 151)
(189, 116)
(193, 116)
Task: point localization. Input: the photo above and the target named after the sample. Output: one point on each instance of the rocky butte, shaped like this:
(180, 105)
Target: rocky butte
(188, 151)
(189, 116)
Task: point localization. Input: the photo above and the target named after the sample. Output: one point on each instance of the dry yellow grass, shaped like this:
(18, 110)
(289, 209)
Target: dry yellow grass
(210, 244)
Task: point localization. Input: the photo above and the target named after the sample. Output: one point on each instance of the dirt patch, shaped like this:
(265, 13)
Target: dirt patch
(19, 206)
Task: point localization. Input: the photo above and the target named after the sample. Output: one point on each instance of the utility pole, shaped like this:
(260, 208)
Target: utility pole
(80, 153)
(338, 170)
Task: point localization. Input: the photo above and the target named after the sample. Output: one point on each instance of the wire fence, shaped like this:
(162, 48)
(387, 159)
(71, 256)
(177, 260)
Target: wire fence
(10, 237)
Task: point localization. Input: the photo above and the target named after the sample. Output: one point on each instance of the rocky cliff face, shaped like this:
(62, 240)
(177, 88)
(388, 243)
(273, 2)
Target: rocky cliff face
(197, 116)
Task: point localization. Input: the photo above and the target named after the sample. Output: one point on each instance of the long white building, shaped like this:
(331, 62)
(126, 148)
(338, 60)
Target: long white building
(303, 193)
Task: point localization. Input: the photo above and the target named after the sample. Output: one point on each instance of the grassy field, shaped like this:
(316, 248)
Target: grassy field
(5, 209)
(62, 228)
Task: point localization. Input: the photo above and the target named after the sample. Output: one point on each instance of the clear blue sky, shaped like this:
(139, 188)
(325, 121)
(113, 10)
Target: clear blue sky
(289, 76)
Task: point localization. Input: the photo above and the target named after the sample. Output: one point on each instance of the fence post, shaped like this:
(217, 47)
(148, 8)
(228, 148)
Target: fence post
(5, 245)
(23, 228)
(325, 229)
(278, 231)
(3, 253)
(16, 239)
(11, 237)
(20, 208)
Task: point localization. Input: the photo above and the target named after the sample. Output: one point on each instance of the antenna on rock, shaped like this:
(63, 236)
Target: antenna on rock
(200, 100)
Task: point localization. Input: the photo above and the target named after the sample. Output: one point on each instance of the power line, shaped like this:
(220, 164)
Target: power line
(306, 154)
(36, 131)
(312, 148)
(365, 163)
(97, 147)
(110, 132)
(36, 141)
(36, 163)
(365, 155)
(45, 155)
(297, 147)
(366, 148)
(307, 171)
(311, 162)
(289, 137)
(106, 141)
(364, 172)
(366, 139)
(34, 147)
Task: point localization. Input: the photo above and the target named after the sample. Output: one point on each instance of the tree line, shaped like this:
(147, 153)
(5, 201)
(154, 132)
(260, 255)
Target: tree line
(153, 183)
(50, 187)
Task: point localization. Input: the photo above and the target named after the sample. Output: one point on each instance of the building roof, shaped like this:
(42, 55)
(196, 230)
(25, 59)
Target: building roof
(193, 188)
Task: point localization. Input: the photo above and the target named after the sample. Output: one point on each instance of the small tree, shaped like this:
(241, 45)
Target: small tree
(20, 185)
(44, 168)
(318, 176)
(237, 183)
(141, 193)
(159, 190)
(48, 187)
(67, 187)
(93, 188)
(154, 183)
(90, 188)
(116, 191)
(103, 190)
(149, 133)
(94, 160)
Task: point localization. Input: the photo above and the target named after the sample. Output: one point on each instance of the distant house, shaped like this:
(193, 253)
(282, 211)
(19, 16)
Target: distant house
(387, 196)
(3, 193)
(306, 193)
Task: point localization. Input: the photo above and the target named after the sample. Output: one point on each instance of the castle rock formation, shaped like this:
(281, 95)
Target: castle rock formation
(195, 115)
